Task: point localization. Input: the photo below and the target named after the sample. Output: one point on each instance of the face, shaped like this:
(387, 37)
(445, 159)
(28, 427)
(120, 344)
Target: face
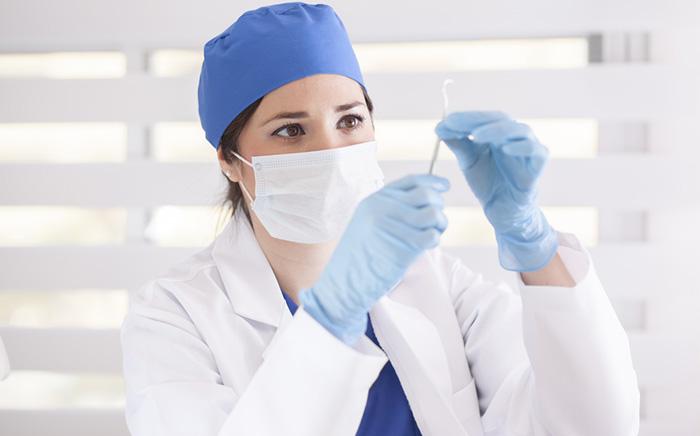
(314, 113)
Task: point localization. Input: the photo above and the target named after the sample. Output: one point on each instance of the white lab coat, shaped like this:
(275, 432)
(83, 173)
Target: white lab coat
(211, 349)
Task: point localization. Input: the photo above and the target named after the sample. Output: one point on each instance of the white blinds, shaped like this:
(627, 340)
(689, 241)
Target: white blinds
(637, 91)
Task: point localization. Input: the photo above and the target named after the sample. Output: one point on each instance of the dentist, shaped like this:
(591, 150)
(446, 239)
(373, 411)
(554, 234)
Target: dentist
(326, 307)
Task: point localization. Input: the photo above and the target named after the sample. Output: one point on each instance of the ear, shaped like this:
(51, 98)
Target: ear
(231, 169)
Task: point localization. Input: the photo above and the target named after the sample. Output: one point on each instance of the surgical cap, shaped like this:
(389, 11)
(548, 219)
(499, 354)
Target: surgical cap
(265, 49)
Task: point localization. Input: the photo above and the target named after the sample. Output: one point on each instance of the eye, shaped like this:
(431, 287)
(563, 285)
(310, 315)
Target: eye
(289, 131)
(351, 121)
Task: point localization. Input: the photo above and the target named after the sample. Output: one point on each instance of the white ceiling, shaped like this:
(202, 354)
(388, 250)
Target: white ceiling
(188, 23)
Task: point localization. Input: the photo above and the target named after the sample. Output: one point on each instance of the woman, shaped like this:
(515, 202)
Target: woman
(325, 308)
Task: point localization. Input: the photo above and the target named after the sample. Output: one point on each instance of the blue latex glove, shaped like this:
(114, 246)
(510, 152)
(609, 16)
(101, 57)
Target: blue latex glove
(388, 232)
(502, 161)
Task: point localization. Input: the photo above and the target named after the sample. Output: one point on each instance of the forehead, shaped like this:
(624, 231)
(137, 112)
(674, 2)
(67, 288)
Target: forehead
(319, 89)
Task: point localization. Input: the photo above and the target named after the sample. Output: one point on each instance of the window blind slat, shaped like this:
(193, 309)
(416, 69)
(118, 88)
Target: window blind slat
(122, 267)
(629, 270)
(661, 360)
(633, 271)
(623, 92)
(64, 350)
(63, 422)
(109, 185)
(665, 428)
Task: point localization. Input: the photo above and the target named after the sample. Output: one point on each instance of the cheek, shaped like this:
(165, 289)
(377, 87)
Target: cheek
(250, 142)
(367, 133)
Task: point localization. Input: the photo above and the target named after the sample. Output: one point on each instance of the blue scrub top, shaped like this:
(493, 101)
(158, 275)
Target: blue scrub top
(387, 412)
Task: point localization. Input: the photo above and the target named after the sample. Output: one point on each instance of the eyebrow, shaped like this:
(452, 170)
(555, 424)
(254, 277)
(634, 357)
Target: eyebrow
(347, 107)
(297, 115)
(283, 115)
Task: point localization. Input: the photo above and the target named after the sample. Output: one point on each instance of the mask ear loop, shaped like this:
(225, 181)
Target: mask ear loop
(240, 183)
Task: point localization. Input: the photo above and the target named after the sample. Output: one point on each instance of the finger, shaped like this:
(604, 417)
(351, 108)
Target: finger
(415, 180)
(525, 148)
(407, 240)
(406, 206)
(468, 153)
(459, 125)
(524, 153)
(428, 238)
(524, 167)
(429, 213)
(503, 132)
(515, 140)
(535, 154)
(433, 218)
(425, 218)
(420, 196)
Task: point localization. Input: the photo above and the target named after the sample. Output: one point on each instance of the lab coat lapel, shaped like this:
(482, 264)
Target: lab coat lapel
(414, 342)
(247, 276)
(425, 351)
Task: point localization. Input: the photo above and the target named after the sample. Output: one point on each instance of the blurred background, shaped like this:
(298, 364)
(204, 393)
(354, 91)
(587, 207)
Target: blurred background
(106, 179)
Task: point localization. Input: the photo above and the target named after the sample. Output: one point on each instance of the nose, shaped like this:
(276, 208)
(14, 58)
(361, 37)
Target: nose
(326, 137)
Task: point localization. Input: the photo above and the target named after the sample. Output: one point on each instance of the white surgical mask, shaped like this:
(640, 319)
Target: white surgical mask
(310, 197)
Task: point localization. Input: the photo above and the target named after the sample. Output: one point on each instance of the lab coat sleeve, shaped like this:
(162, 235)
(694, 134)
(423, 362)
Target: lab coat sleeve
(556, 362)
(309, 383)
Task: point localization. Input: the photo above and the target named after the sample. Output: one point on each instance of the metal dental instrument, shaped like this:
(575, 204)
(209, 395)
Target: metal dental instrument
(444, 114)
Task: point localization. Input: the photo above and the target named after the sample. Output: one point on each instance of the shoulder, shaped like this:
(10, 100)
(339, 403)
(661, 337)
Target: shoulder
(196, 274)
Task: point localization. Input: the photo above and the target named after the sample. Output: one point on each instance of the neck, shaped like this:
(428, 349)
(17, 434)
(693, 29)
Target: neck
(296, 266)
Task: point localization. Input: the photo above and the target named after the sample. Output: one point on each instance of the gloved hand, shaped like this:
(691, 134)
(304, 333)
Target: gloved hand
(502, 161)
(388, 232)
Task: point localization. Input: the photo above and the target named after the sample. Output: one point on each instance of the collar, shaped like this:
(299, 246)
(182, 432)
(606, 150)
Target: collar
(246, 274)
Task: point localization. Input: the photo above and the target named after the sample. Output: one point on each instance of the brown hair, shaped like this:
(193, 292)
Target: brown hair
(229, 144)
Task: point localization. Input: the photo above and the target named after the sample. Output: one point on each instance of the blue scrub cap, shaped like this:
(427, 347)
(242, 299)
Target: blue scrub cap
(265, 49)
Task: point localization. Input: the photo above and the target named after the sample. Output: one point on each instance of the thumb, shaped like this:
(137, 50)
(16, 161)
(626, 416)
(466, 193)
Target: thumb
(448, 134)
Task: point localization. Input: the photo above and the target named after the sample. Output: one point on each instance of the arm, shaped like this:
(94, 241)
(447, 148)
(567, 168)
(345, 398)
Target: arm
(502, 162)
(389, 230)
(552, 274)
(576, 375)
(556, 362)
(179, 338)
(584, 380)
